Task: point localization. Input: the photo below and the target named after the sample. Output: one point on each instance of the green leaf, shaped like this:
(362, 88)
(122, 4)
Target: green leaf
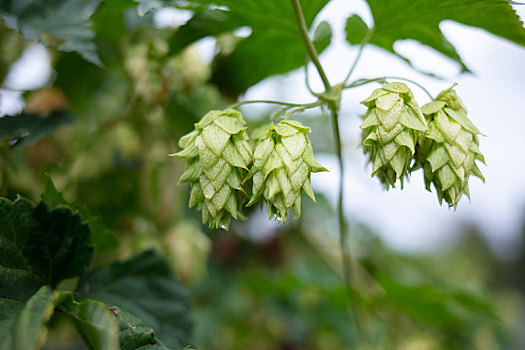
(256, 58)
(134, 334)
(27, 129)
(94, 321)
(103, 239)
(145, 287)
(322, 36)
(204, 23)
(27, 329)
(356, 30)
(42, 246)
(419, 20)
(63, 24)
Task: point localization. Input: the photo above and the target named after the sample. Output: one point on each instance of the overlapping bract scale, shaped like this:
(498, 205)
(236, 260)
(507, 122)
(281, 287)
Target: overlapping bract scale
(450, 148)
(218, 155)
(390, 130)
(283, 163)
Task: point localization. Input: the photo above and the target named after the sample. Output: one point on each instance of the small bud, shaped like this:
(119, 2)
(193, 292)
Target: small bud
(283, 163)
(390, 130)
(450, 148)
(218, 155)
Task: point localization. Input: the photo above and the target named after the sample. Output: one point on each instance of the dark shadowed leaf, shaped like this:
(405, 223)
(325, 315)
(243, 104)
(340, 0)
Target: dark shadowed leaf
(42, 246)
(419, 20)
(27, 128)
(102, 238)
(145, 287)
(63, 24)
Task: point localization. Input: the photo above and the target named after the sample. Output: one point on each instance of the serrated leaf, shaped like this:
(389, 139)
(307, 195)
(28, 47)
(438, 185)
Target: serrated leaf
(26, 129)
(103, 239)
(356, 29)
(63, 24)
(51, 244)
(145, 287)
(419, 20)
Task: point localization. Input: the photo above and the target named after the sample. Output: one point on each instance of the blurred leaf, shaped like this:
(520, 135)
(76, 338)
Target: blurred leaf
(146, 6)
(322, 36)
(63, 24)
(102, 238)
(204, 23)
(27, 329)
(356, 29)
(145, 287)
(41, 246)
(257, 57)
(419, 20)
(27, 129)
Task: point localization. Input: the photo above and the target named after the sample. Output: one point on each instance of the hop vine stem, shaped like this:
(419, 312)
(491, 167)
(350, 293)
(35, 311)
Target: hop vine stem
(333, 105)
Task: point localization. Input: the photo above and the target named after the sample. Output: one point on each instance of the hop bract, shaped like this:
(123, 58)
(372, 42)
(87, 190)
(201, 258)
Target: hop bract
(390, 130)
(283, 163)
(450, 148)
(218, 155)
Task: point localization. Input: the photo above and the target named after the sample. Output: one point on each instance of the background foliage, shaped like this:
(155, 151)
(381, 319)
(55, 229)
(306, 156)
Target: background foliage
(115, 259)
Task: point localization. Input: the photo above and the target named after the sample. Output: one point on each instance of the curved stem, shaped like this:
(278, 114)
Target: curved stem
(306, 79)
(287, 104)
(310, 48)
(359, 53)
(361, 82)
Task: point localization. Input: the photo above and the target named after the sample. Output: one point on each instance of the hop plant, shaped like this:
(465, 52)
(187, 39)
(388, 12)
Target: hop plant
(450, 148)
(283, 163)
(390, 130)
(218, 154)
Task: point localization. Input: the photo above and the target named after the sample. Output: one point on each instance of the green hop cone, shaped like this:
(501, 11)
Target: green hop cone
(283, 163)
(450, 148)
(391, 128)
(218, 154)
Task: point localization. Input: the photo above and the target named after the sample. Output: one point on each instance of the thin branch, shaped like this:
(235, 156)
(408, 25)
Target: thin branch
(281, 103)
(359, 53)
(310, 48)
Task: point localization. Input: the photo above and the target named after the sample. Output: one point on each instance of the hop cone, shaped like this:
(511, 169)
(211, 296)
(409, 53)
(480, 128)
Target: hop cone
(217, 154)
(390, 130)
(283, 162)
(450, 148)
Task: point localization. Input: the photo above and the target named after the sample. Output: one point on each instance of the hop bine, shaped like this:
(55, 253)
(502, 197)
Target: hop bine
(450, 148)
(283, 163)
(218, 155)
(390, 130)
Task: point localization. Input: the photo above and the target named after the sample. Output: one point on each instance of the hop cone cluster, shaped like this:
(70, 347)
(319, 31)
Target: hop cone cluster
(390, 130)
(283, 163)
(450, 148)
(218, 155)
